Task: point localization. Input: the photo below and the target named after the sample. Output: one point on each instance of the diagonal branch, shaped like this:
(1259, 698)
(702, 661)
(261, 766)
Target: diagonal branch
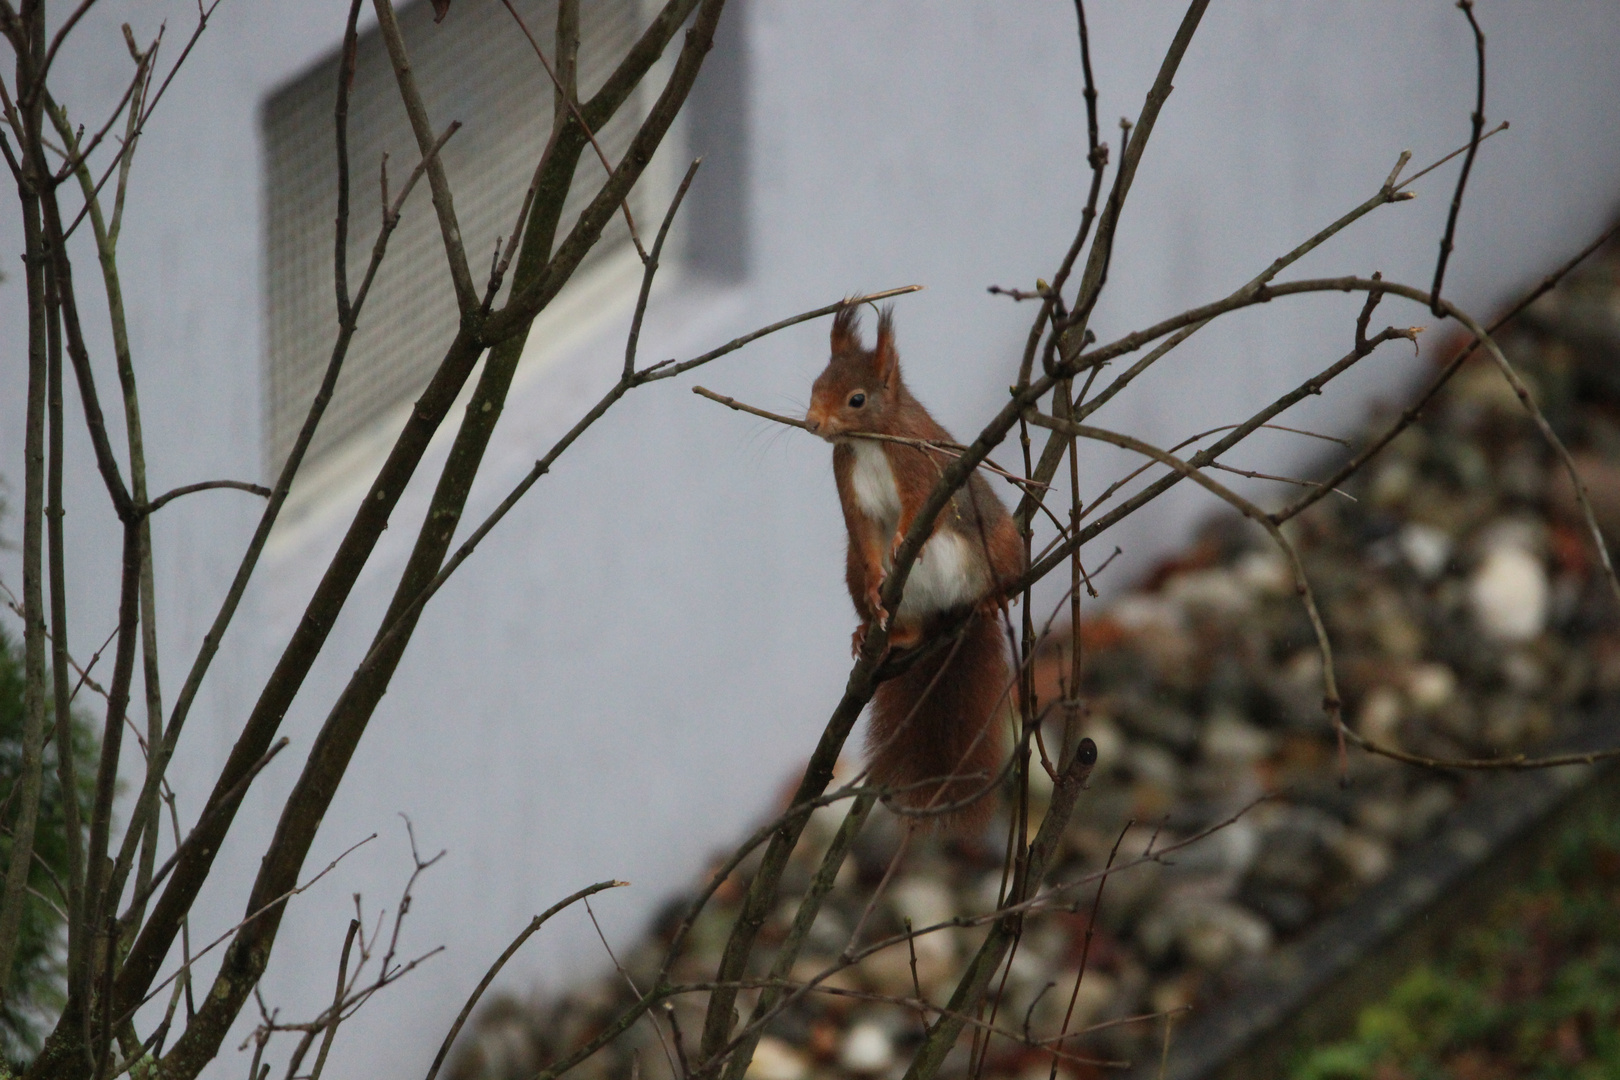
(141, 963)
(438, 181)
(506, 954)
(569, 96)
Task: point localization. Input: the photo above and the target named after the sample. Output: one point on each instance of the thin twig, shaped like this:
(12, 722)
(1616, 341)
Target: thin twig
(650, 264)
(658, 1032)
(680, 1040)
(950, 449)
(282, 899)
(573, 107)
(1410, 414)
(83, 671)
(336, 1011)
(1085, 948)
(206, 485)
(668, 369)
(1408, 181)
(438, 181)
(1296, 481)
(1478, 121)
(203, 15)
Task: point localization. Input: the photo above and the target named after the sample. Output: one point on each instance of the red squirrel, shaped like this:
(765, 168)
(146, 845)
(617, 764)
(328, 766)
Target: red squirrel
(936, 719)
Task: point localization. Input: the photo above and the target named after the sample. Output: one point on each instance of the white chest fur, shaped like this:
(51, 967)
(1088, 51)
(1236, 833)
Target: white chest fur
(946, 575)
(873, 481)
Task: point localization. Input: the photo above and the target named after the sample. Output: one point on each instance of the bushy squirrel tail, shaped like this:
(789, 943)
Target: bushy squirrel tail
(943, 718)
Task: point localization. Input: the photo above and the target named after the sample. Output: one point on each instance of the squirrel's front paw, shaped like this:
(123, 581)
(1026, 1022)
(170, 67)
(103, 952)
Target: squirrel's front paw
(874, 604)
(894, 550)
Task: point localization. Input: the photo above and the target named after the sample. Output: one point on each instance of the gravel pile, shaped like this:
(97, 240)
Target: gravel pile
(1469, 618)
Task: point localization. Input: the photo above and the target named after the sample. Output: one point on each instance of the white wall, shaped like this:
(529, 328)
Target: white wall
(626, 674)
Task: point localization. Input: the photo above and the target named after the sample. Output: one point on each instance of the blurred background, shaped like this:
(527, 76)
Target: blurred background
(637, 660)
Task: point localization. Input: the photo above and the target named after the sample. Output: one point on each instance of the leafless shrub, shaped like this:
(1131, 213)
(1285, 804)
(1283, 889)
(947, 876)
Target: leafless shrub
(125, 911)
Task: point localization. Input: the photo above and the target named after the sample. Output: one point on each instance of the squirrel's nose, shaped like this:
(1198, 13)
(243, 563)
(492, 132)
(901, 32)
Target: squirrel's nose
(812, 425)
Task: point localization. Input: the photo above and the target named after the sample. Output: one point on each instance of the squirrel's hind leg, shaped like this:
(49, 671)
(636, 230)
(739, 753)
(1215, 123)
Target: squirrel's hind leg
(901, 636)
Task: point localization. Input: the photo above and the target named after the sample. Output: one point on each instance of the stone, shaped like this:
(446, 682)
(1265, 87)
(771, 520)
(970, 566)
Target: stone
(1228, 852)
(1392, 482)
(1366, 857)
(1426, 549)
(1380, 816)
(923, 900)
(1523, 671)
(1425, 806)
(1284, 909)
(774, 1059)
(1154, 764)
(867, 1049)
(1216, 592)
(1228, 738)
(1265, 572)
(1217, 933)
(1208, 933)
(1430, 686)
(1508, 594)
(1379, 718)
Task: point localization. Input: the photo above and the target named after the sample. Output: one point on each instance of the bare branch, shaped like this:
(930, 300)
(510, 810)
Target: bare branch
(650, 265)
(949, 449)
(438, 181)
(1478, 121)
(158, 933)
(203, 15)
(668, 369)
(206, 485)
(506, 954)
(570, 98)
(1412, 411)
(340, 124)
(265, 909)
(336, 1011)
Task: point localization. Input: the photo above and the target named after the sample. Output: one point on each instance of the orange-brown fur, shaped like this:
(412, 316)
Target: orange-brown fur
(936, 720)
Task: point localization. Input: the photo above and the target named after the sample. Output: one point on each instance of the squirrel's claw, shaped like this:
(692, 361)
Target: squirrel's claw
(894, 549)
(874, 602)
(857, 640)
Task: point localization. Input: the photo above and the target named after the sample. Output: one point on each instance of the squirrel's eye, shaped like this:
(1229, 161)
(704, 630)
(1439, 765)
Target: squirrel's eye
(857, 400)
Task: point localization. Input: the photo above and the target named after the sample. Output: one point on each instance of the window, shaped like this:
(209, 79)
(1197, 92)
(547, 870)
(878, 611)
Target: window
(476, 67)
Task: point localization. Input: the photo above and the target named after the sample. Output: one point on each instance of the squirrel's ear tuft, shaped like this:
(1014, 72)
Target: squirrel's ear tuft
(885, 357)
(846, 330)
